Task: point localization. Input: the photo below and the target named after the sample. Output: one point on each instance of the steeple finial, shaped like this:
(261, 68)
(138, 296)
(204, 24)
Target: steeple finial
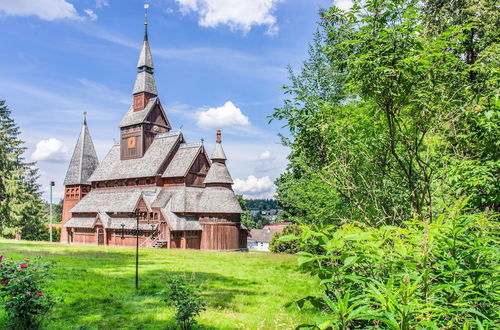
(146, 6)
(85, 118)
(218, 139)
(145, 81)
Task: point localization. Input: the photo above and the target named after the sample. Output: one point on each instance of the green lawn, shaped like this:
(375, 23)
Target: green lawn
(96, 284)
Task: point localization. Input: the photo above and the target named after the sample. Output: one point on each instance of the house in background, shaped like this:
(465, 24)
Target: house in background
(259, 238)
(278, 225)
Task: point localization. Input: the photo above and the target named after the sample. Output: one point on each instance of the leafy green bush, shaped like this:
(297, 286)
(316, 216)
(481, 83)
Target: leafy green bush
(22, 290)
(440, 274)
(286, 246)
(186, 300)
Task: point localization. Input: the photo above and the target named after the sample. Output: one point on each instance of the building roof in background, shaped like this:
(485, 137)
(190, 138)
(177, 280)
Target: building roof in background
(262, 235)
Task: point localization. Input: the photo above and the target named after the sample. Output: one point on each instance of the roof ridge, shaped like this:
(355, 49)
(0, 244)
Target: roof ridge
(190, 145)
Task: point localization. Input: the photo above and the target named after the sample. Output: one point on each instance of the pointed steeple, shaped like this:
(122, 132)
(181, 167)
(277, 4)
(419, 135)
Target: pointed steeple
(145, 82)
(84, 160)
(218, 154)
(218, 174)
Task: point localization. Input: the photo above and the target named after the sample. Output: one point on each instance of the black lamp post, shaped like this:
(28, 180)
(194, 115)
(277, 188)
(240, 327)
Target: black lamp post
(138, 232)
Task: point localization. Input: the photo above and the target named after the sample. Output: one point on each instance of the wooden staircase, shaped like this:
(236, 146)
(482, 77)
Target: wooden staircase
(158, 244)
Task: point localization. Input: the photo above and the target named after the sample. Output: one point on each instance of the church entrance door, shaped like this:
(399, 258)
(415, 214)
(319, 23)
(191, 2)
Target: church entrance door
(100, 236)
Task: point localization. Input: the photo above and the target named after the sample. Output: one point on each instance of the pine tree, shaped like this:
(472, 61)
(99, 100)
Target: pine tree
(21, 206)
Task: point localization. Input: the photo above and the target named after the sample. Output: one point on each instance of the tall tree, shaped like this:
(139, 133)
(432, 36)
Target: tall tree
(21, 207)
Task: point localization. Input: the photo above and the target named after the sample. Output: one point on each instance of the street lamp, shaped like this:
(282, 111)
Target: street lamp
(137, 232)
(52, 184)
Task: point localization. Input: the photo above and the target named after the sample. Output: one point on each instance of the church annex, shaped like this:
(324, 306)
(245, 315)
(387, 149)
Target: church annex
(155, 175)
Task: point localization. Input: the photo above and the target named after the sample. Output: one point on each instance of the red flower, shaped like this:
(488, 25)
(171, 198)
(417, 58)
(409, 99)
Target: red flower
(23, 266)
(26, 260)
(38, 294)
(1, 257)
(4, 283)
(1, 265)
(28, 294)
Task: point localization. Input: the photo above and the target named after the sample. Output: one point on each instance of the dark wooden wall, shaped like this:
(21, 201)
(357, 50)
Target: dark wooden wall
(220, 236)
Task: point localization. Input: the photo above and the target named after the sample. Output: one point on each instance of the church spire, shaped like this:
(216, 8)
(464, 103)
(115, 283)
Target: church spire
(218, 174)
(145, 82)
(218, 155)
(84, 160)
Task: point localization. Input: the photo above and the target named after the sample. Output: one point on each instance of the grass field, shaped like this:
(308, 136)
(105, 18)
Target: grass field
(96, 284)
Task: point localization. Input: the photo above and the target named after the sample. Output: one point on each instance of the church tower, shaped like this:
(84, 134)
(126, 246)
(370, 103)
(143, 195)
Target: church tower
(146, 117)
(218, 174)
(76, 185)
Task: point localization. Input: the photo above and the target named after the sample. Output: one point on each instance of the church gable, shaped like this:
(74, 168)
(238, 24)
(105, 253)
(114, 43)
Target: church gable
(198, 169)
(157, 117)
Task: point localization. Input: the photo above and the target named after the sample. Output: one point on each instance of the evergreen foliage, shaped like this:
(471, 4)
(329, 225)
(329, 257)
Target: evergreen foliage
(262, 204)
(21, 208)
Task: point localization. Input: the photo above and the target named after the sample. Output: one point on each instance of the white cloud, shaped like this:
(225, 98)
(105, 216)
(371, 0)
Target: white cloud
(266, 155)
(255, 187)
(344, 4)
(227, 115)
(48, 10)
(238, 15)
(51, 150)
(101, 3)
(91, 14)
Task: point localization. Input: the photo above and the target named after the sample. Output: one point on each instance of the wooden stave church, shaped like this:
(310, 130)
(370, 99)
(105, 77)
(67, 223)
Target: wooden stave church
(173, 185)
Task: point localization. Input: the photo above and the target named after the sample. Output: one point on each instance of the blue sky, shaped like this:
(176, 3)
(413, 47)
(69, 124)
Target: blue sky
(218, 64)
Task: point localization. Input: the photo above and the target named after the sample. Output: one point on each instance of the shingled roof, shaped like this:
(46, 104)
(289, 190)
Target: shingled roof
(113, 168)
(145, 82)
(183, 160)
(177, 222)
(218, 173)
(215, 200)
(137, 117)
(112, 200)
(80, 222)
(108, 222)
(145, 58)
(218, 153)
(84, 160)
(262, 235)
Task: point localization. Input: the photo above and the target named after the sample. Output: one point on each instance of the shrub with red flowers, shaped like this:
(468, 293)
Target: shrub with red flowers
(22, 289)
